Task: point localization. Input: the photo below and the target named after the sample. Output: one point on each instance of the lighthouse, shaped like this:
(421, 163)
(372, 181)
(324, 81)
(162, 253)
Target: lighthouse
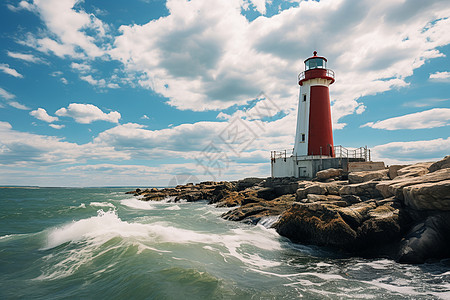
(314, 135)
(314, 149)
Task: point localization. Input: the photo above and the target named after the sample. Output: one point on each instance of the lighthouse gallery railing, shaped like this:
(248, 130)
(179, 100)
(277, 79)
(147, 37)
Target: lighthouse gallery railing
(330, 73)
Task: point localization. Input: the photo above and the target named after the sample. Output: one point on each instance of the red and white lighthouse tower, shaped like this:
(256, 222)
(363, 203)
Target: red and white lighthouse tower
(314, 135)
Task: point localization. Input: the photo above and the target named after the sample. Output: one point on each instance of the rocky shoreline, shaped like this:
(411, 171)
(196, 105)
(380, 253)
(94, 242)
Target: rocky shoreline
(401, 212)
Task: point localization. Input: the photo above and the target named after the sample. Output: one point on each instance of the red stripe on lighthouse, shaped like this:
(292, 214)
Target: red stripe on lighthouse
(320, 139)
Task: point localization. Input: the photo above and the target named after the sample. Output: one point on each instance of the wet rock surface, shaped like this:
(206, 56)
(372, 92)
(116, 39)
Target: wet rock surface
(402, 212)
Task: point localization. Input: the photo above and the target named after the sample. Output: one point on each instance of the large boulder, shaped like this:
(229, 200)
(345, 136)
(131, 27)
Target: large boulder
(393, 170)
(359, 177)
(428, 239)
(428, 196)
(318, 188)
(364, 189)
(248, 182)
(442, 164)
(318, 224)
(329, 173)
(414, 170)
(255, 211)
(395, 187)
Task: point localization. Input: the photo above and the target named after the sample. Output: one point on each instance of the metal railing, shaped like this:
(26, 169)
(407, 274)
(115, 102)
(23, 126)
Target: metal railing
(329, 73)
(361, 152)
(278, 154)
(339, 152)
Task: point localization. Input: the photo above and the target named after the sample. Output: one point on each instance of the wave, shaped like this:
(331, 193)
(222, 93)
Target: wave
(102, 204)
(137, 204)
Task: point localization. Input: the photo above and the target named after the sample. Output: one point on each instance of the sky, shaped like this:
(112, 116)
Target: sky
(156, 93)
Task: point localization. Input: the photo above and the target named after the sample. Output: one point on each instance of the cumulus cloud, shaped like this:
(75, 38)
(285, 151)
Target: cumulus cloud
(413, 151)
(7, 70)
(24, 56)
(206, 55)
(22, 5)
(432, 118)
(87, 113)
(440, 76)
(26, 149)
(81, 67)
(67, 30)
(41, 114)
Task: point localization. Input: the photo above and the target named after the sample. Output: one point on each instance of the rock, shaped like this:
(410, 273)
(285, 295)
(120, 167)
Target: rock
(351, 199)
(428, 196)
(253, 212)
(428, 239)
(382, 226)
(395, 187)
(393, 170)
(314, 198)
(356, 214)
(190, 196)
(317, 224)
(442, 164)
(248, 182)
(414, 170)
(358, 177)
(267, 193)
(318, 188)
(328, 173)
(365, 189)
(231, 199)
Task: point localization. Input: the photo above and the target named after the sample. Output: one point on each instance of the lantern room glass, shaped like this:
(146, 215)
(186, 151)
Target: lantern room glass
(315, 63)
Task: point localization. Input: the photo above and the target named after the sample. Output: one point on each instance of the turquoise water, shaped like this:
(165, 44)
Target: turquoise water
(98, 243)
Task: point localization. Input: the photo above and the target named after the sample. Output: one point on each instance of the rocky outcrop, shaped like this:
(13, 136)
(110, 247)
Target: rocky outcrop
(367, 189)
(329, 173)
(359, 177)
(401, 212)
(430, 238)
(360, 227)
(396, 187)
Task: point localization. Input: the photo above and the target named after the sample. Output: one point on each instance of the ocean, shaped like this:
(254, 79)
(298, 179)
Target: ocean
(99, 243)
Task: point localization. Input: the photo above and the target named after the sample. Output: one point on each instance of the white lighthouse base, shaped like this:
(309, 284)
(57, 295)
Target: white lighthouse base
(306, 167)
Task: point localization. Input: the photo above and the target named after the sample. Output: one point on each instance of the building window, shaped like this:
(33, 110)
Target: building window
(304, 97)
(303, 137)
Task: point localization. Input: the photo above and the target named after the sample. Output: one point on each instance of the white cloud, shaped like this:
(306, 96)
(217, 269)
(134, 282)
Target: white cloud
(23, 5)
(145, 117)
(64, 80)
(26, 149)
(6, 95)
(56, 126)
(42, 115)
(81, 67)
(18, 105)
(206, 55)
(99, 82)
(440, 76)
(87, 113)
(432, 118)
(24, 56)
(411, 152)
(67, 26)
(6, 69)
(89, 79)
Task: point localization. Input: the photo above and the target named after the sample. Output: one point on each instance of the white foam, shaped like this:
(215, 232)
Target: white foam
(105, 224)
(102, 204)
(174, 207)
(137, 204)
(268, 221)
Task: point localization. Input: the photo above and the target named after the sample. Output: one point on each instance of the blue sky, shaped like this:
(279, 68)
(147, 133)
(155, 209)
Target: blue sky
(148, 93)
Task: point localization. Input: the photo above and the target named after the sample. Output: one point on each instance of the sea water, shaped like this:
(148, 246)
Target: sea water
(99, 243)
